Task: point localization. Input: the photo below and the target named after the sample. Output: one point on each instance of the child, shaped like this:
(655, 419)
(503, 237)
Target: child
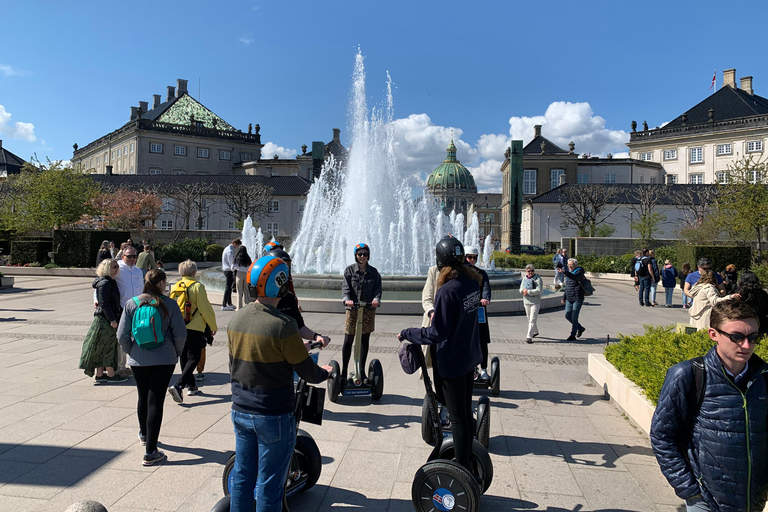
(668, 281)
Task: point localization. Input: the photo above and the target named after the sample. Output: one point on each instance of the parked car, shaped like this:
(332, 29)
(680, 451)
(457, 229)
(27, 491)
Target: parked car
(533, 250)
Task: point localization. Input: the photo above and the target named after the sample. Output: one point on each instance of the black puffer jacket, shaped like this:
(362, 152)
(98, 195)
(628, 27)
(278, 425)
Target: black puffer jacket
(108, 297)
(573, 290)
(726, 456)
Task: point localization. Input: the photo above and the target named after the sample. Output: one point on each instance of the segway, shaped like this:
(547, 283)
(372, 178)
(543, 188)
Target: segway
(375, 385)
(493, 382)
(442, 483)
(482, 421)
(306, 462)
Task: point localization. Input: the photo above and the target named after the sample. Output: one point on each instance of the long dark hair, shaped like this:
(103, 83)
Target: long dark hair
(242, 259)
(152, 288)
(450, 273)
(749, 286)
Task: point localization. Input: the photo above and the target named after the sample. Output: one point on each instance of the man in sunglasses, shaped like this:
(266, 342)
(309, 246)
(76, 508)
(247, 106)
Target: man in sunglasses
(710, 428)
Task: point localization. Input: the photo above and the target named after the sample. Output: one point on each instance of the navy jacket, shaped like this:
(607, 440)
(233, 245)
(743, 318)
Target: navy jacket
(668, 277)
(108, 297)
(454, 328)
(486, 294)
(725, 456)
(573, 290)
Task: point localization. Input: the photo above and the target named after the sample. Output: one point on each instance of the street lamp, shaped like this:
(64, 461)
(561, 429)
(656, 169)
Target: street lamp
(630, 224)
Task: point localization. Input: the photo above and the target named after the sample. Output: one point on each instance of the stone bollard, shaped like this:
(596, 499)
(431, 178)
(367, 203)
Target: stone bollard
(86, 506)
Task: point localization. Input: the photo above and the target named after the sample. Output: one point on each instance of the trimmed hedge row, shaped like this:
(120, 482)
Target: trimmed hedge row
(175, 252)
(719, 256)
(645, 358)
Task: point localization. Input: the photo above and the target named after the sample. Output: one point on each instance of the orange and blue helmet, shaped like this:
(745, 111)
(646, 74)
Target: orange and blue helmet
(272, 245)
(360, 246)
(268, 277)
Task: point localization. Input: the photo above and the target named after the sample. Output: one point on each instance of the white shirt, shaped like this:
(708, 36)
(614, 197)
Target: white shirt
(226, 258)
(130, 282)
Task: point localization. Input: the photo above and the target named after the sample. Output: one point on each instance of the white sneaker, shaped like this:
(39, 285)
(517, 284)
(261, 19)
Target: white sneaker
(227, 308)
(484, 374)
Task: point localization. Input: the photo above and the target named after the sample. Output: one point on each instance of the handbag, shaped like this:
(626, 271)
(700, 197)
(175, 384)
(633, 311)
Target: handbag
(409, 354)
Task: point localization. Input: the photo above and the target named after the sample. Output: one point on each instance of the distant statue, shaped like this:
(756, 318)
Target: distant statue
(215, 123)
(543, 147)
(75, 146)
(250, 128)
(571, 147)
(192, 119)
(634, 126)
(645, 126)
(257, 129)
(276, 157)
(303, 149)
(507, 153)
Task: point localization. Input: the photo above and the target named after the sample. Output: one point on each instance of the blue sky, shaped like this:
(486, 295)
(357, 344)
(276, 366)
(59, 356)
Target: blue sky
(489, 71)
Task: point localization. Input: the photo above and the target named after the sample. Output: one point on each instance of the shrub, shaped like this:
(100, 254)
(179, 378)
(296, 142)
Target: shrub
(719, 256)
(25, 251)
(214, 252)
(51, 265)
(762, 273)
(605, 263)
(504, 260)
(645, 358)
(189, 248)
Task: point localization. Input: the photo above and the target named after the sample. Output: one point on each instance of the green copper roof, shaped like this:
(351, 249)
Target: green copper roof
(451, 174)
(186, 108)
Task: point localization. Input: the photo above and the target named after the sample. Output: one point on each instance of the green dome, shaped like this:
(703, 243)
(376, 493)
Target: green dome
(451, 174)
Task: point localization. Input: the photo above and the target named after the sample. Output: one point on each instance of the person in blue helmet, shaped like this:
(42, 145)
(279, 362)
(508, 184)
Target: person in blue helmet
(362, 283)
(265, 348)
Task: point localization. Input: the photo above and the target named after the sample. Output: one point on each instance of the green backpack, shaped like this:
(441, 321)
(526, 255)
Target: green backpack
(147, 328)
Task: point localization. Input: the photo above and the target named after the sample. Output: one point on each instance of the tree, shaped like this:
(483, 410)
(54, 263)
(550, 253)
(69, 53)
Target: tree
(124, 209)
(644, 199)
(242, 200)
(743, 202)
(697, 205)
(586, 206)
(188, 199)
(47, 198)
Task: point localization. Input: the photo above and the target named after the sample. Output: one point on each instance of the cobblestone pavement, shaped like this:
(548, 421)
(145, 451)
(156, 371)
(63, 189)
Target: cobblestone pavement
(555, 443)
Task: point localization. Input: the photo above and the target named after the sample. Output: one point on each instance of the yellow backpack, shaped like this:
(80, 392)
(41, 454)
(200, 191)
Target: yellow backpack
(180, 293)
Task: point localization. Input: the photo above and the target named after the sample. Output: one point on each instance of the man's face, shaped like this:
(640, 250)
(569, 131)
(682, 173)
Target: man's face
(129, 257)
(571, 266)
(730, 352)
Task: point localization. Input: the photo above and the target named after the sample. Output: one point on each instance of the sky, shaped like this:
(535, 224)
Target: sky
(485, 72)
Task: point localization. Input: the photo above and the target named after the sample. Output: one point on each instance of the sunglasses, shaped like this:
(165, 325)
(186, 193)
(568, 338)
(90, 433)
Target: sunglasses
(738, 338)
(530, 271)
(471, 256)
(133, 256)
(365, 254)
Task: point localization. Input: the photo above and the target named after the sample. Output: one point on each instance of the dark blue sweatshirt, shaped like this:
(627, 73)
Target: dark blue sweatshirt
(454, 328)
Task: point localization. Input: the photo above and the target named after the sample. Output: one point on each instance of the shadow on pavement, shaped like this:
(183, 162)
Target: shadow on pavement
(57, 466)
(372, 421)
(205, 456)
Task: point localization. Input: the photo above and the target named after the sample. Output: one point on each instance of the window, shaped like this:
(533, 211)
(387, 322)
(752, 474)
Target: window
(753, 175)
(98, 161)
(106, 158)
(272, 228)
(245, 156)
(642, 179)
(132, 146)
(180, 150)
(155, 171)
(114, 153)
(610, 178)
(125, 150)
(179, 171)
(696, 179)
(224, 155)
(274, 206)
(652, 180)
(754, 145)
(697, 155)
(204, 226)
(275, 174)
(302, 204)
(130, 171)
(670, 154)
(294, 174)
(723, 149)
(529, 181)
(583, 177)
(167, 205)
(554, 177)
(231, 224)
(722, 177)
(646, 157)
(199, 124)
(119, 154)
(671, 179)
(155, 148)
(166, 224)
(202, 153)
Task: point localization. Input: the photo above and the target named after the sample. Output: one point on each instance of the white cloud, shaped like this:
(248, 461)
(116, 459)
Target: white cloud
(15, 130)
(9, 70)
(271, 149)
(247, 40)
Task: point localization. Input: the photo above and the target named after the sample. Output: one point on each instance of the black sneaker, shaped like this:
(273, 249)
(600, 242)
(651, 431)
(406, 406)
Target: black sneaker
(641, 304)
(101, 378)
(200, 376)
(528, 340)
(151, 458)
(571, 338)
(580, 332)
(175, 393)
(534, 335)
(117, 378)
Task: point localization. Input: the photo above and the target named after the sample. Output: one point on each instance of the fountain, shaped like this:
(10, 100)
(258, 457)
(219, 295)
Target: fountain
(252, 240)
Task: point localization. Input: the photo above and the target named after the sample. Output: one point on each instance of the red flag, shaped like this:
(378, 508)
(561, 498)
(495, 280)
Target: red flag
(714, 77)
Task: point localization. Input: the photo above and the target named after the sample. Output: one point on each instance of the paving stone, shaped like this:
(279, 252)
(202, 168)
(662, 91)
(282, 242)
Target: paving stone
(612, 490)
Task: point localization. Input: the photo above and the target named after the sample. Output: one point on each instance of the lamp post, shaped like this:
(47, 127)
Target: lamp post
(630, 224)
(547, 229)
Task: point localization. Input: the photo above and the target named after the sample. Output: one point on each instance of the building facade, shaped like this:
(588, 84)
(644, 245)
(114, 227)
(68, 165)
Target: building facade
(452, 183)
(9, 163)
(488, 209)
(699, 145)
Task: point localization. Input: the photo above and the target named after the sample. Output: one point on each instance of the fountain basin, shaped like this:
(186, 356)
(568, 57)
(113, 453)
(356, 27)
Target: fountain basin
(401, 295)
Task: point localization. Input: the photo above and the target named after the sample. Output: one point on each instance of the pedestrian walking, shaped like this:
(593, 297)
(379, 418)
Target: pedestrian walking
(229, 274)
(104, 253)
(146, 260)
(470, 258)
(530, 288)
(669, 282)
(684, 271)
(655, 276)
(558, 261)
(241, 261)
(573, 298)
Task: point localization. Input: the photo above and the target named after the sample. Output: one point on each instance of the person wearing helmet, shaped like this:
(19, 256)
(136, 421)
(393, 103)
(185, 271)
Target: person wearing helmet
(289, 304)
(454, 330)
(272, 245)
(470, 255)
(264, 350)
(362, 283)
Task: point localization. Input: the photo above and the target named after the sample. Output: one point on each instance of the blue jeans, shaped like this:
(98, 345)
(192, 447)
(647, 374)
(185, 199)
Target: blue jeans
(654, 284)
(572, 315)
(669, 293)
(264, 446)
(687, 301)
(644, 291)
(697, 505)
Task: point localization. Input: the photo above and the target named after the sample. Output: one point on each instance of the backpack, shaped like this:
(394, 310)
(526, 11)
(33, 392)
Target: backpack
(147, 325)
(180, 294)
(586, 285)
(641, 267)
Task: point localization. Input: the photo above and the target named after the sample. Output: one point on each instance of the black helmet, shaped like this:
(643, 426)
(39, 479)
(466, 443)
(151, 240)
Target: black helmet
(280, 254)
(449, 252)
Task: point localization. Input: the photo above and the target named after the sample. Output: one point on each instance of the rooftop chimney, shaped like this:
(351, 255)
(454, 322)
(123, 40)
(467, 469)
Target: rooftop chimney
(108, 170)
(746, 85)
(155, 101)
(171, 93)
(729, 77)
(1, 143)
(337, 135)
(561, 180)
(144, 106)
(134, 113)
(537, 131)
(181, 87)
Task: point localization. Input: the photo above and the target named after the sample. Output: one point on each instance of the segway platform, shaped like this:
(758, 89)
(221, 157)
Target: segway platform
(493, 382)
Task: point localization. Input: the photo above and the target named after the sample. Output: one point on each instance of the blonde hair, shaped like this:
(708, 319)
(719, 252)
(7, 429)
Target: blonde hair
(707, 277)
(105, 268)
(187, 268)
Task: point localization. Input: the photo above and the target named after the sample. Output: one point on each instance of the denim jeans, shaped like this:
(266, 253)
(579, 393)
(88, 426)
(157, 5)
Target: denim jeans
(654, 284)
(264, 446)
(644, 292)
(669, 295)
(697, 505)
(572, 310)
(687, 301)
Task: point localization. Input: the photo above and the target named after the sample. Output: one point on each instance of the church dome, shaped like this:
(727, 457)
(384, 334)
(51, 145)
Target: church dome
(451, 174)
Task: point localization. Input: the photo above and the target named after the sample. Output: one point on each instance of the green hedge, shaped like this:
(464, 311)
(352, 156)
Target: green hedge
(719, 256)
(762, 273)
(31, 251)
(591, 263)
(504, 260)
(189, 248)
(645, 358)
(78, 247)
(214, 252)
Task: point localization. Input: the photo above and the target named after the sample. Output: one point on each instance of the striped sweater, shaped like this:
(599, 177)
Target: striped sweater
(264, 350)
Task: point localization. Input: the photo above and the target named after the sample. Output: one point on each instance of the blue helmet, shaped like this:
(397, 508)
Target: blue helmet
(268, 277)
(272, 245)
(361, 246)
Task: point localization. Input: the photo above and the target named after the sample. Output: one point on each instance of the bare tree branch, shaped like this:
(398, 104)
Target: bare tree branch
(585, 206)
(241, 200)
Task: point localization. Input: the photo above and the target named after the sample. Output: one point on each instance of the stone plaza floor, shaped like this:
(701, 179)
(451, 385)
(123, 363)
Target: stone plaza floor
(556, 444)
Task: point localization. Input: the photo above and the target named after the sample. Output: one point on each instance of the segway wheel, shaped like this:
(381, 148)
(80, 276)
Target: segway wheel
(226, 481)
(307, 457)
(222, 505)
(495, 377)
(483, 433)
(427, 434)
(376, 373)
(444, 485)
(334, 385)
(482, 460)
